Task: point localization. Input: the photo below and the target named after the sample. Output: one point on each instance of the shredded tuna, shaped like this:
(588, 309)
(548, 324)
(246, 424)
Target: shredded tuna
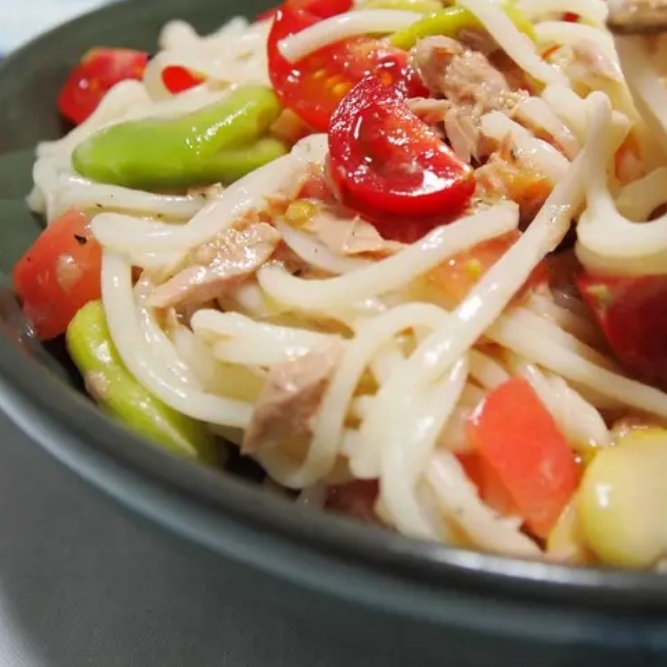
(428, 109)
(290, 398)
(215, 266)
(348, 235)
(478, 40)
(471, 86)
(431, 58)
(462, 128)
(462, 76)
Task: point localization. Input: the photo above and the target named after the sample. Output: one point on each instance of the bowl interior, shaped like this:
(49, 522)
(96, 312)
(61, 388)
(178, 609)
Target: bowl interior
(28, 112)
(29, 84)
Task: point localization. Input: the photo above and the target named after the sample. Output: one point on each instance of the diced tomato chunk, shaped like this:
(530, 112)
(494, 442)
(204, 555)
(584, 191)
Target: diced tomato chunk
(459, 274)
(489, 485)
(518, 439)
(59, 274)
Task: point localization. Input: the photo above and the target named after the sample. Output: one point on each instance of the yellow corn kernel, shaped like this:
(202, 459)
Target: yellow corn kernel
(300, 212)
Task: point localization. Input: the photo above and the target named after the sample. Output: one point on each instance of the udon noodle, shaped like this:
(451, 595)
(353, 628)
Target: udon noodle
(402, 368)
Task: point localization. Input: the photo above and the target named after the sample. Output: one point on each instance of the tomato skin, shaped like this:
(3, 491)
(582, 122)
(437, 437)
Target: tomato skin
(59, 274)
(517, 438)
(391, 167)
(99, 70)
(313, 87)
(632, 313)
(321, 8)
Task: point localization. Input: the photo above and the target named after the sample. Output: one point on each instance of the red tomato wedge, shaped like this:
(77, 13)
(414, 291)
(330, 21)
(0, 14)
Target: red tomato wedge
(632, 313)
(354, 499)
(313, 87)
(458, 275)
(387, 164)
(519, 441)
(59, 274)
(98, 71)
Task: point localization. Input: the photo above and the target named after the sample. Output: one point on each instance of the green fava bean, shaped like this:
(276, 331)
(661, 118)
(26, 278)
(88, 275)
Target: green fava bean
(237, 162)
(117, 392)
(218, 143)
(449, 22)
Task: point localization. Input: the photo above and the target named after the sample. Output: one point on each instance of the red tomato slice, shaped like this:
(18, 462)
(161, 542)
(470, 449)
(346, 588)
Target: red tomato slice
(319, 8)
(313, 87)
(632, 313)
(387, 164)
(98, 71)
(517, 438)
(458, 275)
(59, 274)
(176, 79)
(355, 499)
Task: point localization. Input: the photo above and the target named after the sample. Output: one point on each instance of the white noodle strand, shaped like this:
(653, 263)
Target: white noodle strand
(139, 356)
(336, 28)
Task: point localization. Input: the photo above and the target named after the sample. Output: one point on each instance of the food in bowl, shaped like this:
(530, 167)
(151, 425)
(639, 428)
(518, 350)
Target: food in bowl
(408, 256)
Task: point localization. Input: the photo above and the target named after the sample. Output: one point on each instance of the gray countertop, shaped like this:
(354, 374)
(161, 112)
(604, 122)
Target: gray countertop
(83, 584)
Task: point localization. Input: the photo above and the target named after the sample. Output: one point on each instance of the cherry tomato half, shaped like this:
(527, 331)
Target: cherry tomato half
(59, 274)
(313, 87)
(98, 71)
(389, 165)
(632, 313)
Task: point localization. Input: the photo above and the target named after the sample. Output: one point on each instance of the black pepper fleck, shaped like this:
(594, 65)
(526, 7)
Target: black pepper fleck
(81, 240)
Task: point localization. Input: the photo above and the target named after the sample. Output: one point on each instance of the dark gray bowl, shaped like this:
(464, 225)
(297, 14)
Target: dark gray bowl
(434, 604)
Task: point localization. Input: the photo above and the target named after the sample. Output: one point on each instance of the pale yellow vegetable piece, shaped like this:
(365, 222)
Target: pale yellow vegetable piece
(565, 543)
(623, 500)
